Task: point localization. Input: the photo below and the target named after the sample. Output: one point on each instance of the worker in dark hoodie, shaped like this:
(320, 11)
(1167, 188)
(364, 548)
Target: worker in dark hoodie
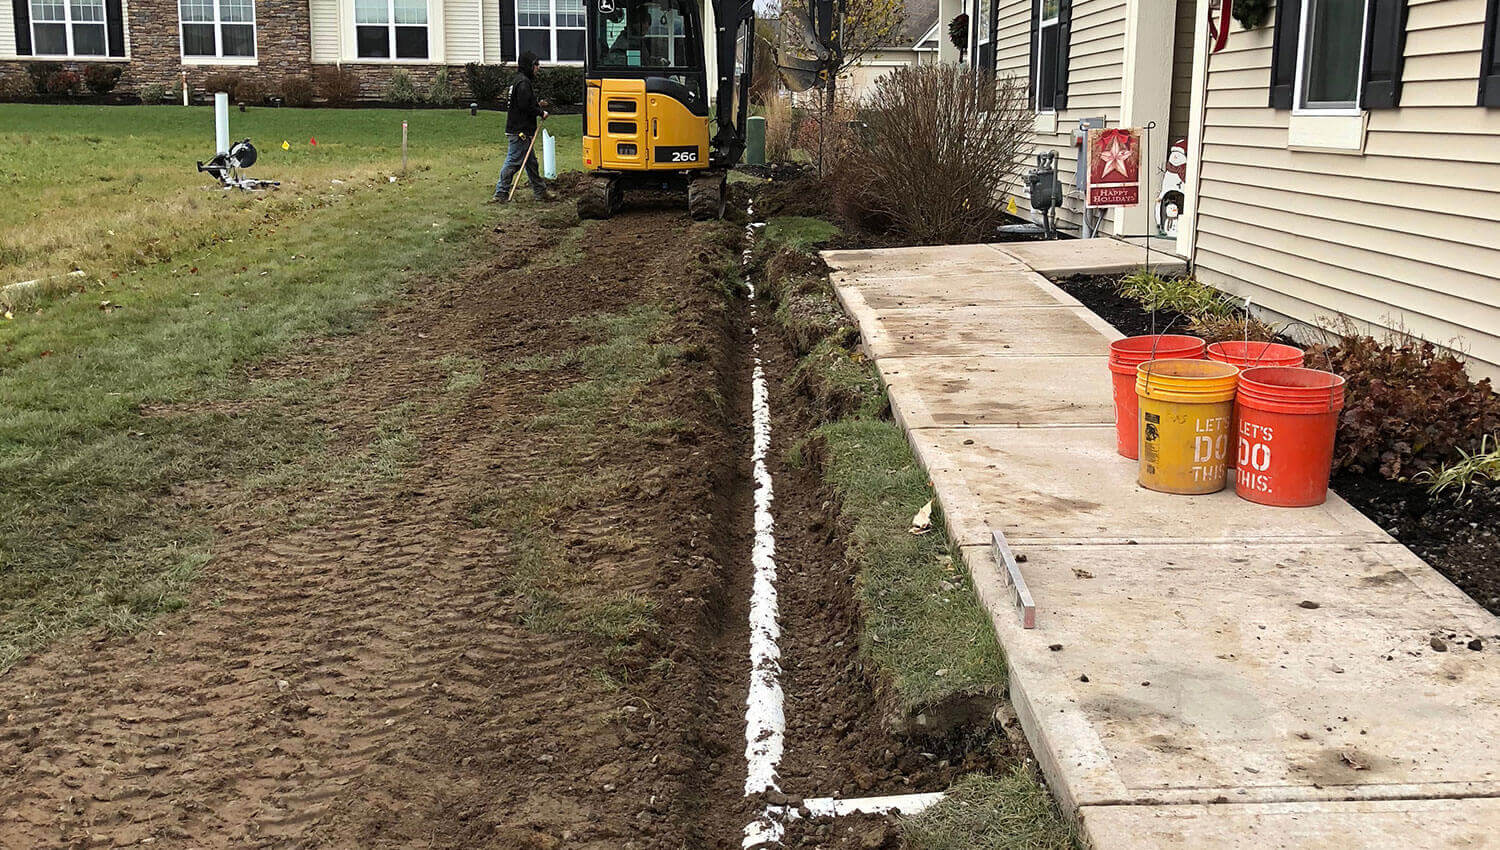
(520, 128)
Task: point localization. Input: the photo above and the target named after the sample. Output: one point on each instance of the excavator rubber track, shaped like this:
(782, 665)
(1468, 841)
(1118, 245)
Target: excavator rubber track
(600, 198)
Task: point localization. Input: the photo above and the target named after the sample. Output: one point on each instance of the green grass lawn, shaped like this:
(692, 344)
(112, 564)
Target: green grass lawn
(107, 189)
(198, 283)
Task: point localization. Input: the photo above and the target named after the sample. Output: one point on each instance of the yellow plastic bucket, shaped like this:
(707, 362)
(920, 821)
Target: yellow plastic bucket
(1184, 410)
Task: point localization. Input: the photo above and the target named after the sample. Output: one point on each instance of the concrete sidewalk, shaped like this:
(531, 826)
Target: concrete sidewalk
(1205, 672)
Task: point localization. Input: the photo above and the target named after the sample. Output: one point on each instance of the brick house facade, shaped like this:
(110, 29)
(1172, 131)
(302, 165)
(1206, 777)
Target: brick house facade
(265, 42)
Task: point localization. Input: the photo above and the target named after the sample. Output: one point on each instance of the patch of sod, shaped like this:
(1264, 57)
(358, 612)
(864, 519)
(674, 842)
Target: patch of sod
(798, 231)
(981, 812)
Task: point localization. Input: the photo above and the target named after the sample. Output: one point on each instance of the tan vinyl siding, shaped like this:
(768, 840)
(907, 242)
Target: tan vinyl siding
(1182, 69)
(463, 31)
(1096, 64)
(1401, 236)
(7, 32)
(323, 22)
(492, 36)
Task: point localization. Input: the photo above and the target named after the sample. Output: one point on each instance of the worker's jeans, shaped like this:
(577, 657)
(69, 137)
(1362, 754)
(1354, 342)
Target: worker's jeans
(513, 157)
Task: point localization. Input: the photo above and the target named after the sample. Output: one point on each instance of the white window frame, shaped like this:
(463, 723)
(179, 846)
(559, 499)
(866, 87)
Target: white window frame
(1299, 102)
(67, 23)
(390, 35)
(552, 29)
(219, 58)
(1041, 27)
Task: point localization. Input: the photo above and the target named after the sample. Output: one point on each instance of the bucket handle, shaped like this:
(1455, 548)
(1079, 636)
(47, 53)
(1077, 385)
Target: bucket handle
(1155, 341)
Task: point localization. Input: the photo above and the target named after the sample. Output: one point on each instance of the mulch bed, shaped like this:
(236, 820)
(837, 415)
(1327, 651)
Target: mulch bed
(1457, 536)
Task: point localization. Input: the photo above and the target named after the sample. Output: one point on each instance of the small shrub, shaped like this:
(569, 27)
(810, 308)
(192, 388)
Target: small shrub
(16, 87)
(153, 93)
(226, 82)
(560, 85)
(61, 82)
(827, 136)
(338, 86)
(297, 90)
(101, 79)
(779, 127)
(39, 72)
(1224, 328)
(401, 89)
(440, 93)
(249, 93)
(765, 81)
(1182, 294)
(1408, 407)
(1484, 463)
(937, 146)
(487, 82)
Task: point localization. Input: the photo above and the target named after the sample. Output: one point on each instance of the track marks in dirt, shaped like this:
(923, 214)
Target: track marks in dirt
(367, 674)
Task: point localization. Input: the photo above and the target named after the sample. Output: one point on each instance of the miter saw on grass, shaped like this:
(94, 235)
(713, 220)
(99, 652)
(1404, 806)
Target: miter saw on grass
(226, 167)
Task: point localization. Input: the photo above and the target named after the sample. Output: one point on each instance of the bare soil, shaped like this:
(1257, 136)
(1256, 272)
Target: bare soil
(361, 669)
(367, 677)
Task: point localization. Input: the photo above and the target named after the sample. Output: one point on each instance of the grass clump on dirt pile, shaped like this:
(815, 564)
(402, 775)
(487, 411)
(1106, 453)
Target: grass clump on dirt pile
(994, 813)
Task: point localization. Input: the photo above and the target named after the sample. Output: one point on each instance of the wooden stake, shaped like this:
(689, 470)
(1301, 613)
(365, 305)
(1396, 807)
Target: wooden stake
(517, 178)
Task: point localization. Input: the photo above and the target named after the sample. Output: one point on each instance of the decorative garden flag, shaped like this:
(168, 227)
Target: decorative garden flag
(1114, 163)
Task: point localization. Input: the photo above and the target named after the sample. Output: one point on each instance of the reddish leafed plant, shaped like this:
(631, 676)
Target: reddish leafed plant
(1408, 406)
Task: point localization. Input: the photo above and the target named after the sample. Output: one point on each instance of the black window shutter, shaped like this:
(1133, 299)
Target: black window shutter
(1385, 46)
(1064, 36)
(507, 30)
(1284, 52)
(21, 9)
(1489, 68)
(1036, 17)
(114, 26)
(973, 38)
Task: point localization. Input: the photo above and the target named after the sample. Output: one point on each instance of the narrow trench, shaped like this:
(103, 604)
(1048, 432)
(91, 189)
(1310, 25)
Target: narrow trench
(817, 738)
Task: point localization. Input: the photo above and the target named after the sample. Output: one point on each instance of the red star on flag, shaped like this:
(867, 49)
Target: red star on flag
(1115, 158)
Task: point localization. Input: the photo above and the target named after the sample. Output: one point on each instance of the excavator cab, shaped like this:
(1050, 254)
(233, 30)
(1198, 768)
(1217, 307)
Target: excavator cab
(666, 98)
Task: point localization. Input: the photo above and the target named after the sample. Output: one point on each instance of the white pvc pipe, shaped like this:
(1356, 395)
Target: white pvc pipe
(903, 804)
(549, 155)
(221, 121)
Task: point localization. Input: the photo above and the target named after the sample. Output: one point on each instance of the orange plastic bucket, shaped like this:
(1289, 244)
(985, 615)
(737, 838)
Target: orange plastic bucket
(1128, 353)
(1184, 424)
(1288, 418)
(1248, 355)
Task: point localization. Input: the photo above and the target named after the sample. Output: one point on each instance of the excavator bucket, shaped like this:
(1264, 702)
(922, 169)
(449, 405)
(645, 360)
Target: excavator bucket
(800, 58)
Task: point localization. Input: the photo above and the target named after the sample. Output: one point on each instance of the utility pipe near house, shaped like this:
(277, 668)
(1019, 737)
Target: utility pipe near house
(221, 122)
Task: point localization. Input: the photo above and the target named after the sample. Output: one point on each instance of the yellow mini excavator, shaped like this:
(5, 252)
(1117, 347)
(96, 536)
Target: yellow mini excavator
(667, 93)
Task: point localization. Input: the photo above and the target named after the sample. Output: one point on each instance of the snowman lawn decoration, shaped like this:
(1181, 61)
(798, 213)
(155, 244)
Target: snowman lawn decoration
(1169, 201)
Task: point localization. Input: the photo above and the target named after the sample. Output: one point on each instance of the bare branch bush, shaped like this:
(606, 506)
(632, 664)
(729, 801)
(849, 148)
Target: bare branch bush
(936, 151)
